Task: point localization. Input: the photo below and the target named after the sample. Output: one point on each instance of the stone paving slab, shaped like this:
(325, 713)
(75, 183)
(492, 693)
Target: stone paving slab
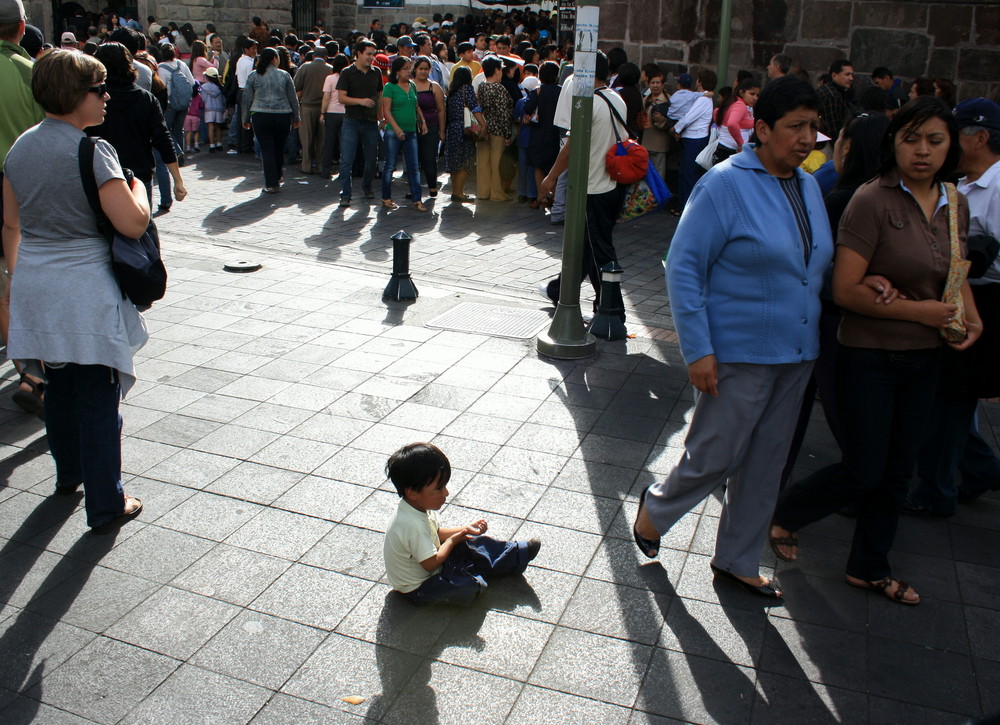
(251, 589)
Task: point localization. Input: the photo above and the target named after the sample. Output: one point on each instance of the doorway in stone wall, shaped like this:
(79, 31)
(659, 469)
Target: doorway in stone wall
(303, 16)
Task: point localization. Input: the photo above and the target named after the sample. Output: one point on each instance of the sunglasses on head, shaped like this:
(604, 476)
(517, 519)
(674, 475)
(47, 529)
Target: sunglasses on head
(99, 90)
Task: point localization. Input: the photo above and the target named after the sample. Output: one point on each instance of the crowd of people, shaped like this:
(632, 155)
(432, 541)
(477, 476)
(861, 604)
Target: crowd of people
(820, 244)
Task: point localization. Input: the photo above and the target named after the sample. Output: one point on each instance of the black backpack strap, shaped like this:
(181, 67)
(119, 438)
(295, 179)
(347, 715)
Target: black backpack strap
(614, 112)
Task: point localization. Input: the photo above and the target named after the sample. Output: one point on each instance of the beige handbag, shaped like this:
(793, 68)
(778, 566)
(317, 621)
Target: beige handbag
(958, 273)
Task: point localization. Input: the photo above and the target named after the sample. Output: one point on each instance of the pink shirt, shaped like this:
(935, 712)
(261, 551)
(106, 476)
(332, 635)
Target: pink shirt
(738, 124)
(330, 86)
(199, 66)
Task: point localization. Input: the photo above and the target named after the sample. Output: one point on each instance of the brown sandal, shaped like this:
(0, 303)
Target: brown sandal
(418, 206)
(389, 204)
(883, 585)
(791, 541)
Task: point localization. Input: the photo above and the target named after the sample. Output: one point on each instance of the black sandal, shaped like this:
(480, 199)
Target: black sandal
(30, 401)
(882, 585)
(650, 548)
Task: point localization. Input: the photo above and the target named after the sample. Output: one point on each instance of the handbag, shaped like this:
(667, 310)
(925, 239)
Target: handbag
(648, 194)
(469, 125)
(705, 156)
(626, 161)
(958, 273)
(136, 263)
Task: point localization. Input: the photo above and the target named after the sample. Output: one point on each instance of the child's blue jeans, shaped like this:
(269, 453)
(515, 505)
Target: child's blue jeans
(462, 576)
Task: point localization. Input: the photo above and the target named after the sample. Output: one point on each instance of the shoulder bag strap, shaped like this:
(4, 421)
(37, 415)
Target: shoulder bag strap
(614, 112)
(956, 249)
(86, 154)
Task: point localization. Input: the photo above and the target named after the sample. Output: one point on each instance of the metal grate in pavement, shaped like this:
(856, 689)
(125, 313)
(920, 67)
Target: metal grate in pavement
(495, 320)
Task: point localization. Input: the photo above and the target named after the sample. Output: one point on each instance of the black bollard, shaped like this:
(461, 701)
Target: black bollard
(609, 322)
(400, 287)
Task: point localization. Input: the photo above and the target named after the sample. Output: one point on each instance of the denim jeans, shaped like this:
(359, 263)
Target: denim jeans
(689, 171)
(162, 181)
(463, 575)
(886, 398)
(84, 433)
(175, 124)
(357, 132)
(271, 130)
(409, 146)
(332, 125)
(525, 174)
(427, 146)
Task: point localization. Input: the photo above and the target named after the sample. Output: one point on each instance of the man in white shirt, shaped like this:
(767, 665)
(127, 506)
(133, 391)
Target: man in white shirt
(692, 130)
(604, 195)
(244, 67)
(953, 444)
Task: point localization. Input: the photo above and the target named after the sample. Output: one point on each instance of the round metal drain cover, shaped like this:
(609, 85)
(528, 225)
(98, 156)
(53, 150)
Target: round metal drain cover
(243, 266)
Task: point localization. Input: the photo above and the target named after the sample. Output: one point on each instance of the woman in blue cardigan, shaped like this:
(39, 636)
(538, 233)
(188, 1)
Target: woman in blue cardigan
(744, 275)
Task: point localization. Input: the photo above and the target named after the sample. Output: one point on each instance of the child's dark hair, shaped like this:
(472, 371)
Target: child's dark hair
(416, 465)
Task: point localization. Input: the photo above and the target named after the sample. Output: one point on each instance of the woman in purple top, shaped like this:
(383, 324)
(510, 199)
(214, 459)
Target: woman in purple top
(430, 99)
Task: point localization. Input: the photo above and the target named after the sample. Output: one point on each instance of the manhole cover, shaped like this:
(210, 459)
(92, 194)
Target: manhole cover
(513, 322)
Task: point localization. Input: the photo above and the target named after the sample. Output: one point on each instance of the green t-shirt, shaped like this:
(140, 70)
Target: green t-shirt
(404, 105)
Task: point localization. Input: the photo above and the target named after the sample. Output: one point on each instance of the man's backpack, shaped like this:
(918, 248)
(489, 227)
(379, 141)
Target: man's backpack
(180, 89)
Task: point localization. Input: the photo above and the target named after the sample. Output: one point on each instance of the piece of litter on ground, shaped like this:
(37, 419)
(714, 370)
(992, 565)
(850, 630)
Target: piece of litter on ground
(353, 699)
(304, 182)
(631, 336)
(550, 232)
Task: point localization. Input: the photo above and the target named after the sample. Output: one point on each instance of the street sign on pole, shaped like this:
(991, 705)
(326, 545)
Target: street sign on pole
(566, 337)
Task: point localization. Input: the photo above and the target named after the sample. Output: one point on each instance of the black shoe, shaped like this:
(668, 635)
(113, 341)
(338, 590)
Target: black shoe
(650, 548)
(369, 194)
(67, 490)
(534, 545)
(345, 202)
(164, 208)
(769, 590)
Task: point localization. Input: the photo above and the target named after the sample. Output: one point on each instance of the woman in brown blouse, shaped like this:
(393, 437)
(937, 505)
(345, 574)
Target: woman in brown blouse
(497, 106)
(897, 226)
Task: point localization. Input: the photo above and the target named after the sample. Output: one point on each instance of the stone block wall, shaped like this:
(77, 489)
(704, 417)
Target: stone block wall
(956, 39)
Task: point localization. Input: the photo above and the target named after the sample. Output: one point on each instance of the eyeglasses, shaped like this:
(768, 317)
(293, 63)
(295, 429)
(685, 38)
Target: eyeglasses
(99, 90)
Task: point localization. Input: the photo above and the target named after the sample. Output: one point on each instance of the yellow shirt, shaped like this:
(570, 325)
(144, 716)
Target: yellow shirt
(474, 66)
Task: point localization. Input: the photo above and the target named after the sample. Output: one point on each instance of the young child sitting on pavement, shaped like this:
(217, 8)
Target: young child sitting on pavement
(427, 562)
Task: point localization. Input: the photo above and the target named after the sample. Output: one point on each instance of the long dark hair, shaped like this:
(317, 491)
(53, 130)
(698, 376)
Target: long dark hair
(861, 162)
(911, 117)
(118, 62)
(745, 85)
(198, 50)
(397, 65)
(462, 77)
(265, 59)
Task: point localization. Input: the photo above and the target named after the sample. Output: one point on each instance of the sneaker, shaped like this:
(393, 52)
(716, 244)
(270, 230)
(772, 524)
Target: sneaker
(369, 194)
(270, 189)
(543, 290)
(345, 202)
(534, 545)
(232, 152)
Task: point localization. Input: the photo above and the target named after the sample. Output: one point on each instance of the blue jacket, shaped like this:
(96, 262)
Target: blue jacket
(273, 92)
(738, 281)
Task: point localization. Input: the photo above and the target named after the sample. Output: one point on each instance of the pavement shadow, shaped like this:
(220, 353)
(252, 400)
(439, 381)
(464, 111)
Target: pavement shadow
(650, 387)
(25, 634)
(23, 456)
(406, 633)
(227, 218)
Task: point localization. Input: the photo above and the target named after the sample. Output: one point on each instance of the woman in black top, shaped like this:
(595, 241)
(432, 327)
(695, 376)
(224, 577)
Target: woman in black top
(134, 122)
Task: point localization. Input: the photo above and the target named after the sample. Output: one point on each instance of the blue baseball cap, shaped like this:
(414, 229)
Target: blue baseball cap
(978, 112)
